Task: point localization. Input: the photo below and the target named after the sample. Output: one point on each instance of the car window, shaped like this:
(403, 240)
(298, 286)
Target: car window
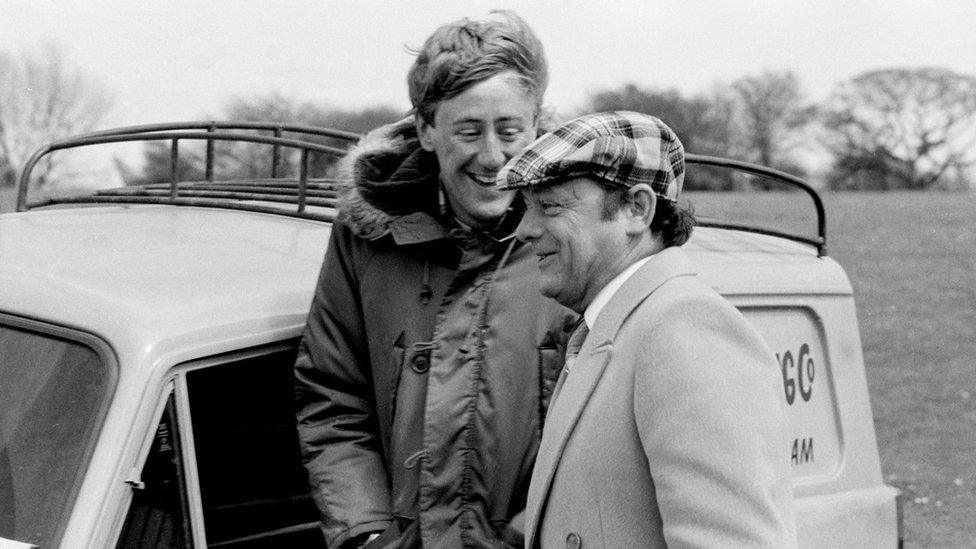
(158, 515)
(53, 392)
(797, 337)
(253, 487)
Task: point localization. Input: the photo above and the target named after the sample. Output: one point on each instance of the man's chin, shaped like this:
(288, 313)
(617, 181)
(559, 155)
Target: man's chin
(558, 293)
(549, 290)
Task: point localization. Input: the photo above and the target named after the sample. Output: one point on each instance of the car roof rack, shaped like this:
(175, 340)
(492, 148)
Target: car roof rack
(819, 242)
(302, 197)
(305, 197)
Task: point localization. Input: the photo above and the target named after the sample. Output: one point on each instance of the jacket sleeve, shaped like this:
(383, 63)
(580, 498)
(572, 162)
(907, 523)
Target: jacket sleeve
(335, 408)
(711, 421)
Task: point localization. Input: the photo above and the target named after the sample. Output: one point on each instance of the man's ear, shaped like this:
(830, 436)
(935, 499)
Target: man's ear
(423, 133)
(641, 203)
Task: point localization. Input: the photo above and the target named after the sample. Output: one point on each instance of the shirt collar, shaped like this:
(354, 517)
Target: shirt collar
(603, 297)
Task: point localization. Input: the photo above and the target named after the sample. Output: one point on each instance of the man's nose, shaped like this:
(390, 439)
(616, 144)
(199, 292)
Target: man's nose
(528, 228)
(492, 153)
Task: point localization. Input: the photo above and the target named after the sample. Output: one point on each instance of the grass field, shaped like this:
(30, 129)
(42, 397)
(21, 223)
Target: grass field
(911, 258)
(912, 261)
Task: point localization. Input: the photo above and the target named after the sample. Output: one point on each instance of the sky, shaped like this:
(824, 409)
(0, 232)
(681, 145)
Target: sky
(186, 59)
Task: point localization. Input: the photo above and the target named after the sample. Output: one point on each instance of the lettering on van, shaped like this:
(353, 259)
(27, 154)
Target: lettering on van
(798, 374)
(802, 451)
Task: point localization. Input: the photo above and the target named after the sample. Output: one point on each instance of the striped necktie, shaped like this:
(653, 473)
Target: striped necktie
(575, 343)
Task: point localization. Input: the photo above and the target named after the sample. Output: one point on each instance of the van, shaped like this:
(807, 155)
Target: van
(148, 334)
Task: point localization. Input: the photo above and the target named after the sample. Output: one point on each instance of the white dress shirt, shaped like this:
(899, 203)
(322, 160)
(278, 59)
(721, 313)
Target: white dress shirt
(592, 310)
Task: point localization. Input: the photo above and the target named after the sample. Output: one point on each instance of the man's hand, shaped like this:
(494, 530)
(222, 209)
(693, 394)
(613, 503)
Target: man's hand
(360, 541)
(514, 533)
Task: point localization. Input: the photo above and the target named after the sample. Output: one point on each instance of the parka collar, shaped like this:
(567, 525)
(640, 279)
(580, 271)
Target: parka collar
(388, 185)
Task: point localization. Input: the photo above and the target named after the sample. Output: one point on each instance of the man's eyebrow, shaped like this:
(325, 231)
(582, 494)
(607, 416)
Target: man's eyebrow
(551, 196)
(476, 120)
(470, 120)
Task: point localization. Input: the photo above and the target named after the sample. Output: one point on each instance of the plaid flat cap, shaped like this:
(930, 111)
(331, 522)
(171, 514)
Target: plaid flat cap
(618, 148)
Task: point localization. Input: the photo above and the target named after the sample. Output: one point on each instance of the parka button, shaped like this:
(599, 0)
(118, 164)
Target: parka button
(573, 541)
(420, 363)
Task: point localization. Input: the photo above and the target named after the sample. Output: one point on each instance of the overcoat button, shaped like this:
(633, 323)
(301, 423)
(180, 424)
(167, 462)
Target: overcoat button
(420, 363)
(573, 541)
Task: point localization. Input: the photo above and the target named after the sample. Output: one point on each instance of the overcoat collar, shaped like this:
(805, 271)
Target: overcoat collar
(573, 391)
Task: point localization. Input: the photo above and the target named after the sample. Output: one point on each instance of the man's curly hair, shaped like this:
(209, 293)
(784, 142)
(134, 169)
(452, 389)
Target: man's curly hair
(463, 53)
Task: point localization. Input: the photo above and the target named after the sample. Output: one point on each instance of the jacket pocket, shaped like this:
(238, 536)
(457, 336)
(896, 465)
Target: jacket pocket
(396, 361)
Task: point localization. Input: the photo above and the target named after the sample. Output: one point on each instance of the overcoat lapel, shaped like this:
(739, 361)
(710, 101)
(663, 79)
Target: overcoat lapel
(574, 389)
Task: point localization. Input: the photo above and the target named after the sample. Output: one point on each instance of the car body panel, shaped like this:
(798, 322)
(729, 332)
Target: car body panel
(161, 286)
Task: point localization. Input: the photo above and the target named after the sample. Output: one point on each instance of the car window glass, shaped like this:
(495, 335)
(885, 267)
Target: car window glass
(52, 393)
(253, 486)
(158, 515)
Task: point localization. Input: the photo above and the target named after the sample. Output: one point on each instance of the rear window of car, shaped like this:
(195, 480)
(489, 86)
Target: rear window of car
(54, 389)
(797, 337)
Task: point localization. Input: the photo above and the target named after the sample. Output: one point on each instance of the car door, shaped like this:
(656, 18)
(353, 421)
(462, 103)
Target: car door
(223, 466)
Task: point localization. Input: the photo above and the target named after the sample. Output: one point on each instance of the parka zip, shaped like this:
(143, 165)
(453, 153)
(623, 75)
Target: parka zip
(481, 331)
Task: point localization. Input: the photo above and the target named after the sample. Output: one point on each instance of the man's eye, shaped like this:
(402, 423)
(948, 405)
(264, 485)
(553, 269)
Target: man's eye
(510, 134)
(469, 134)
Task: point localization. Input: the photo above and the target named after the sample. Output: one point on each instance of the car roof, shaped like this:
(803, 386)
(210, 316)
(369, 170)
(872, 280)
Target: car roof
(149, 279)
(743, 263)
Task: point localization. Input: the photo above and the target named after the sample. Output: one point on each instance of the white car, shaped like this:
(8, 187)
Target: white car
(147, 341)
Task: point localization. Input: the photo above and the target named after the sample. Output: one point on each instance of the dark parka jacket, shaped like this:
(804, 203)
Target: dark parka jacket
(429, 354)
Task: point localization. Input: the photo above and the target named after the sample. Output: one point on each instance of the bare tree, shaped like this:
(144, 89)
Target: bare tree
(702, 123)
(276, 108)
(693, 119)
(902, 128)
(42, 99)
(770, 110)
(251, 161)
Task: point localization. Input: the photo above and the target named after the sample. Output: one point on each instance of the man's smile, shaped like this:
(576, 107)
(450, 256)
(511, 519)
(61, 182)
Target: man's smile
(542, 257)
(482, 180)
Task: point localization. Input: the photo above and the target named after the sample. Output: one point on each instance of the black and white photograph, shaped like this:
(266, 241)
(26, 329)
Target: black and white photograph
(487, 274)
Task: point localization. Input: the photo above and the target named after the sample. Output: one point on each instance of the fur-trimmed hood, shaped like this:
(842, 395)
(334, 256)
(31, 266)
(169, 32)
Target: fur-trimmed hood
(388, 178)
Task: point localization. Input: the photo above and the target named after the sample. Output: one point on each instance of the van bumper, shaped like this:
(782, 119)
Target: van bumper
(862, 518)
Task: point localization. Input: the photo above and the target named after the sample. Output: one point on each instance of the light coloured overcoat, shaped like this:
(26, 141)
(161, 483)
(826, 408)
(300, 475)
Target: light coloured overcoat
(668, 430)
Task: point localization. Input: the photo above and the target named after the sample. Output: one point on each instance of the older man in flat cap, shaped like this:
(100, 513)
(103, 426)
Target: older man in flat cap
(666, 427)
